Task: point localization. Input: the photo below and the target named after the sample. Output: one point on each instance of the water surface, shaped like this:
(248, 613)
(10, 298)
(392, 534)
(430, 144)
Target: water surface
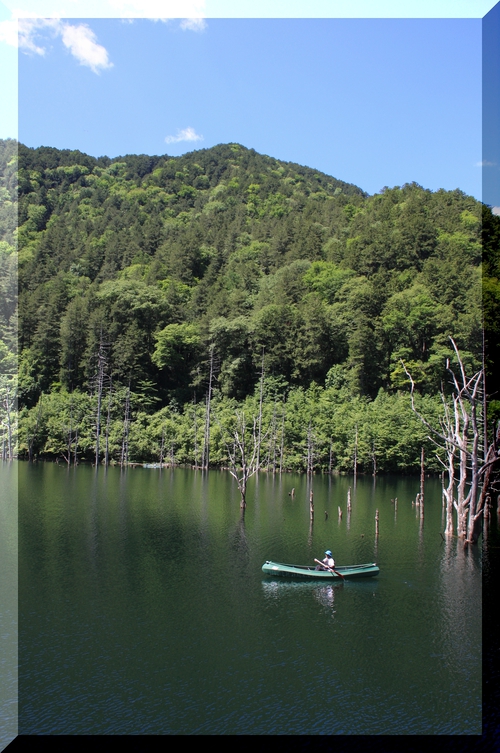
(8, 603)
(143, 607)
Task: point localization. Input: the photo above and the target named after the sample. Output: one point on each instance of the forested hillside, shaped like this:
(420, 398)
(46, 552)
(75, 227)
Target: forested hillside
(139, 277)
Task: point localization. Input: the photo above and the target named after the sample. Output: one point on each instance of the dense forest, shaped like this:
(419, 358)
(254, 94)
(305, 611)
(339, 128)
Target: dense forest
(161, 297)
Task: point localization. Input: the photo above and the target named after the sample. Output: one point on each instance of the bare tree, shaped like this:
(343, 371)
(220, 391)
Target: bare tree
(460, 436)
(243, 451)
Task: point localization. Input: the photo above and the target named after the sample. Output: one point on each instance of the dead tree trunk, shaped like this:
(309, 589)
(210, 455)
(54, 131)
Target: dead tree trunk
(460, 436)
(476, 512)
(449, 490)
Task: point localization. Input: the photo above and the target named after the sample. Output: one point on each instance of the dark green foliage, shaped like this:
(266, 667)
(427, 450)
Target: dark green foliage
(491, 295)
(164, 258)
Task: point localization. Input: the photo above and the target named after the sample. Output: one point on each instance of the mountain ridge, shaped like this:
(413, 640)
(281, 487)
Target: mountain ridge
(31, 157)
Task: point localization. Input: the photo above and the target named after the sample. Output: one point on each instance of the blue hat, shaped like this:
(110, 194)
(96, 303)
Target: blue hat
(328, 552)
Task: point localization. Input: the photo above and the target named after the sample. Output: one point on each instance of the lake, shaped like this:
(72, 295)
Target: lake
(143, 608)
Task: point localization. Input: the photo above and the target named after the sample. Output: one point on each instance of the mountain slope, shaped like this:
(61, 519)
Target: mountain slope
(162, 258)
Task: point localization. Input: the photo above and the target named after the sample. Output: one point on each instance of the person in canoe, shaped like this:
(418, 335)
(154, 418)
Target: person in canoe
(327, 560)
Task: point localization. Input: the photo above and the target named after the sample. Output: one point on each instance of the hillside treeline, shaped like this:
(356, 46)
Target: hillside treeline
(150, 283)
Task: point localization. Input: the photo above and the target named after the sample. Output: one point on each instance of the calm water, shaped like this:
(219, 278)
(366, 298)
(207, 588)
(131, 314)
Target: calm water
(143, 608)
(8, 603)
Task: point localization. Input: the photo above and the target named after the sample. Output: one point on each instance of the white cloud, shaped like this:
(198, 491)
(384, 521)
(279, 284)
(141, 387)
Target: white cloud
(78, 38)
(193, 24)
(28, 29)
(495, 210)
(485, 163)
(81, 42)
(187, 134)
(21, 32)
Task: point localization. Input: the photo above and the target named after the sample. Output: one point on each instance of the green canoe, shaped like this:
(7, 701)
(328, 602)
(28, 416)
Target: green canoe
(303, 571)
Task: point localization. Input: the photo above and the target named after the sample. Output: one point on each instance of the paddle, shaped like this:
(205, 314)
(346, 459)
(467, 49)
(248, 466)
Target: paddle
(332, 569)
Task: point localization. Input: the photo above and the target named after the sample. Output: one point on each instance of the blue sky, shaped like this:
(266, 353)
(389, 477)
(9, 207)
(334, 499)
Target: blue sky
(371, 101)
